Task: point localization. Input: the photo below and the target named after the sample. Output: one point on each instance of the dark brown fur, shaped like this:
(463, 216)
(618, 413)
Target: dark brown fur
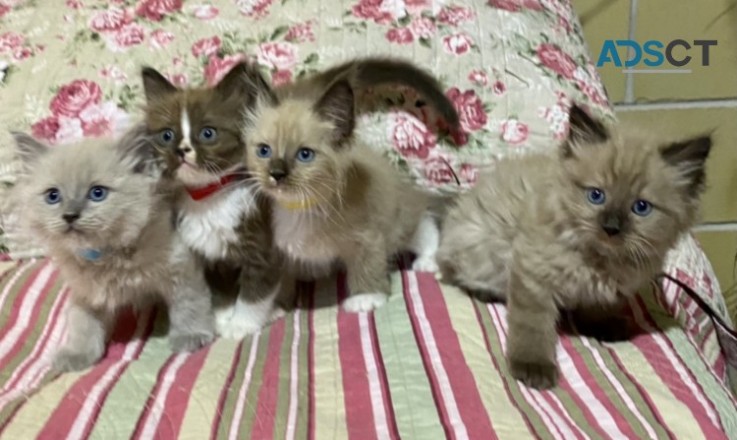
(217, 107)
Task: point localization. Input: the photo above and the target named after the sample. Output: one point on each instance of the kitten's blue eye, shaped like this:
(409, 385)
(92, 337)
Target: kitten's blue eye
(642, 208)
(52, 196)
(263, 151)
(167, 136)
(97, 193)
(305, 154)
(595, 196)
(208, 134)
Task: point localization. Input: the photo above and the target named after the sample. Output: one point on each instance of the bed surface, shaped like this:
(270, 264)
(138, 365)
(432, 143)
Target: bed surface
(427, 365)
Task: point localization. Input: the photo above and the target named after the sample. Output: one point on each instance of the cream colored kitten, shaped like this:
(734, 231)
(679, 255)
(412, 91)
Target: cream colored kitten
(106, 221)
(335, 203)
(581, 230)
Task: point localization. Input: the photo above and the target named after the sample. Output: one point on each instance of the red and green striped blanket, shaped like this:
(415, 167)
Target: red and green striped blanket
(427, 365)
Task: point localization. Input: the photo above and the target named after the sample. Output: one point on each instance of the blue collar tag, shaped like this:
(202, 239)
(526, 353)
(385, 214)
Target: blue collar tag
(90, 254)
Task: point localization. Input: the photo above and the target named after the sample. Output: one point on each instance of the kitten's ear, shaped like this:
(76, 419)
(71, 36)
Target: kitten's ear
(245, 83)
(337, 106)
(689, 157)
(583, 130)
(138, 152)
(155, 85)
(28, 148)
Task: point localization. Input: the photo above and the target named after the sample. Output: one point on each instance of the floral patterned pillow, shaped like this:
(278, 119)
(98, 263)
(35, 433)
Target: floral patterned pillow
(70, 70)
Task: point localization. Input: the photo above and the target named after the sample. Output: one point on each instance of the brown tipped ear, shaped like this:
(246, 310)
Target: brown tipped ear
(689, 157)
(583, 130)
(155, 85)
(246, 84)
(337, 106)
(138, 151)
(28, 148)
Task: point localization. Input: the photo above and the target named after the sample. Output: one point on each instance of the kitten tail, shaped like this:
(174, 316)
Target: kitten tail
(370, 72)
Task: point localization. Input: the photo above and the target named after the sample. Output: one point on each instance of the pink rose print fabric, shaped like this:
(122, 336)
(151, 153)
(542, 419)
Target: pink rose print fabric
(205, 12)
(70, 70)
(78, 75)
(78, 111)
(206, 47)
(505, 85)
(470, 109)
(514, 132)
(156, 10)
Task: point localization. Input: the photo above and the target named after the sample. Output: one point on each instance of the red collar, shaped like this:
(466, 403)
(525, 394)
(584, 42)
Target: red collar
(202, 192)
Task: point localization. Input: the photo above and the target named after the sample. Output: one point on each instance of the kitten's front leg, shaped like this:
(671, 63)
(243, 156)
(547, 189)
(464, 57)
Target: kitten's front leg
(532, 317)
(190, 311)
(254, 308)
(368, 277)
(425, 244)
(260, 285)
(85, 345)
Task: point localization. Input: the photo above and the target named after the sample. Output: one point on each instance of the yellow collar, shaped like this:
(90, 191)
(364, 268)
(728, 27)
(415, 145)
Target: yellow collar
(299, 205)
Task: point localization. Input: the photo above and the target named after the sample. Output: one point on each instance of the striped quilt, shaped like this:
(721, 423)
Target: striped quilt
(428, 365)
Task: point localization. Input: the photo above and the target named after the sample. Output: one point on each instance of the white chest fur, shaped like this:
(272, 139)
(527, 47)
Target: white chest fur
(208, 226)
(295, 235)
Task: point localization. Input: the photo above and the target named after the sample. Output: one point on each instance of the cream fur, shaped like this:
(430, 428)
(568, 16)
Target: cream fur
(142, 258)
(349, 207)
(528, 235)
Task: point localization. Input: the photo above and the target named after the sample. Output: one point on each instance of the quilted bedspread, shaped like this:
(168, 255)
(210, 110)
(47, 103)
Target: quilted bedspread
(429, 364)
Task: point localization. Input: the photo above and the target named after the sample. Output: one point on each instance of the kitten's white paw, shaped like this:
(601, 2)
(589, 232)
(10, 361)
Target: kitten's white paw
(425, 264)
(277, 313)
(223, 316)
(238, 328)
(364, 302)
(245, 318)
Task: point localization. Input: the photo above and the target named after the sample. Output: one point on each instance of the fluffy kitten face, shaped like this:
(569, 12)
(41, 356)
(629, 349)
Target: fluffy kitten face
(197, 131)
(629, 197)
(294, 145)
(94, 194)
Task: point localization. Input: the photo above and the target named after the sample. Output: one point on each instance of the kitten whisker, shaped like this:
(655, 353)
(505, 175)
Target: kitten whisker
(326, 185)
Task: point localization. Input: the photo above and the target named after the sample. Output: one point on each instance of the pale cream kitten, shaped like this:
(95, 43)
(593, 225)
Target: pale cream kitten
(335, 203)
(102, 212)
(581, 229)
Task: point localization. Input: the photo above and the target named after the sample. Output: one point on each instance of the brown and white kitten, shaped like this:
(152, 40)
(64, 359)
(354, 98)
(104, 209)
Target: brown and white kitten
(336, 203)
(580, 230)
(105, 216)
(197, 131)
(198, 137)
